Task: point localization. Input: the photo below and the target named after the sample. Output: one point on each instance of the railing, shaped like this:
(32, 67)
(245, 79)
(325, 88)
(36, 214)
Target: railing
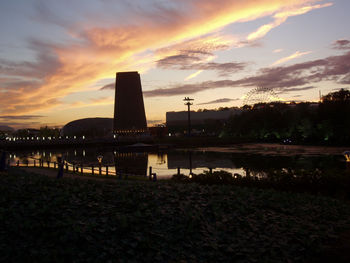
(91, 169)
(81, 168)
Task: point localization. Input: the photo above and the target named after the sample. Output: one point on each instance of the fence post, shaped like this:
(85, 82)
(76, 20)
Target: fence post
(60, 167)
(92, 169)
(82, 169)
(100, 169)
(66, 167)
(106, 170)
(154, 177)
(54, 165)
(34, 163)
(150, 172)
(17, 162)
(210, 170)
(48, 164)
(178, 170)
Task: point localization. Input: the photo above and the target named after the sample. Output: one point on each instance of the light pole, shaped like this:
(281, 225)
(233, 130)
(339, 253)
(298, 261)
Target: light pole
(188, 103)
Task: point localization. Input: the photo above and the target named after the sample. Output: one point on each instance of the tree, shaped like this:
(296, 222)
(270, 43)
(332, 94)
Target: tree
(341, 95)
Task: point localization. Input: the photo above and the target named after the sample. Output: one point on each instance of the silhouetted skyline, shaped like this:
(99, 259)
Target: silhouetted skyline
(129, 110)
(58, 59)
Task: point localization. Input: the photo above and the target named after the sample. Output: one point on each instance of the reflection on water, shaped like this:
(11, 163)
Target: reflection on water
(131, 163)
(166, 164)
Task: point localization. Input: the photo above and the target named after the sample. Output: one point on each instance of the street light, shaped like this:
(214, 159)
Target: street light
(188, 103)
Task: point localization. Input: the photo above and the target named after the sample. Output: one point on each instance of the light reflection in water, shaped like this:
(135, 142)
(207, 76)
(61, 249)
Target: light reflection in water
(166, 164)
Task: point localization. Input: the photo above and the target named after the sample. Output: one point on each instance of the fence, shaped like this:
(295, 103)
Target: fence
(91, 169)
(81, 169)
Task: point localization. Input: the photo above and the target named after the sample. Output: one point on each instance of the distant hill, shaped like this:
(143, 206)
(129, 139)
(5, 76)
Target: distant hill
(95, 127)
(5, 128)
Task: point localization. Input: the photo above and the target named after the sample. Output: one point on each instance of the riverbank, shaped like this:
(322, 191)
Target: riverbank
(45, 219)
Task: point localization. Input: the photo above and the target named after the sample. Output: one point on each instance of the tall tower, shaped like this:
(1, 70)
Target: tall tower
(129, 110)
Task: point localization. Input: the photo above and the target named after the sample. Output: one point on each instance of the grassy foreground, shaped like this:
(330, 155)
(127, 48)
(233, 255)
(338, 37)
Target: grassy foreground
(49, 220)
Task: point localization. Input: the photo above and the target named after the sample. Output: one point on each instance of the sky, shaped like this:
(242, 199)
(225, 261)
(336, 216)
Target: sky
(58, 59)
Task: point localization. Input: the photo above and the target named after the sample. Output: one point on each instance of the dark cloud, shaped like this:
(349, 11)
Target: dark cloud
(20, 117)
(108, 86)
(46, 63)
(17, 83)
(286, 90)
(188, 89)
(223, 100)
(281, 79)
(181, 61)
(193, 60)
(341, 44)
(22, 88)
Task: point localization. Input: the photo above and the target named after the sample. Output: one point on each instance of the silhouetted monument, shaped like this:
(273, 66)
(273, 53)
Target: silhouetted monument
(129, 110)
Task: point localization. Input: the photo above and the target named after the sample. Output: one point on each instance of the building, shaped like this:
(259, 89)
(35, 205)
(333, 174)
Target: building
(89, 127)
(129, 110)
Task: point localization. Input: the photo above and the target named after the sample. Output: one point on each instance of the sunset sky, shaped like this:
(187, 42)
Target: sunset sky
(58, 59)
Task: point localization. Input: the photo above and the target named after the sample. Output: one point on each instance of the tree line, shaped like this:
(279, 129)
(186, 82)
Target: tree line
(326, 122)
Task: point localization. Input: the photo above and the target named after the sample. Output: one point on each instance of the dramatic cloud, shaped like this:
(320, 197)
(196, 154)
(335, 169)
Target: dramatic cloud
(189, 88)
(197, 55)
(46, 64)
(191, 62)
(223, 100)
(335, 68)
(283, 79)
(97, 44)
(341, 44)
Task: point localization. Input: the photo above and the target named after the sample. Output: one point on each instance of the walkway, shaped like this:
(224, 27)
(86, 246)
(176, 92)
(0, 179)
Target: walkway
(53, 173)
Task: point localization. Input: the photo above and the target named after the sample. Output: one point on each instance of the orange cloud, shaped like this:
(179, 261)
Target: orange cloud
(97, 52)
(281, 17)
(295, 55)
(193, 75)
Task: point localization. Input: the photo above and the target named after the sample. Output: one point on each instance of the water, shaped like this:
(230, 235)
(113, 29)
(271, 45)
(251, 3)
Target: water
(166, 164)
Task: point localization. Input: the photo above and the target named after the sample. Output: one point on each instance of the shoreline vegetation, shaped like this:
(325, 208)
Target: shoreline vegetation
(70, 219)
